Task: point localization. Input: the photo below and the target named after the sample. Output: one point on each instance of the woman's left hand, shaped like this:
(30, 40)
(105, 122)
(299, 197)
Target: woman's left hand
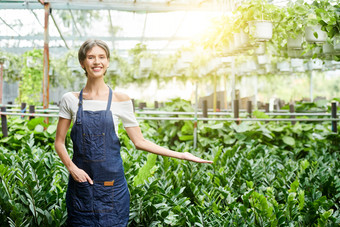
(190, 157)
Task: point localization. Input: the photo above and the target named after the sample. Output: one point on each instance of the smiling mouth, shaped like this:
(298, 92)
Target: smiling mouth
(97, 69)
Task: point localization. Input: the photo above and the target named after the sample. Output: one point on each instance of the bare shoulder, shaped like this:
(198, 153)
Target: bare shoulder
(120, 97)
(76, 94)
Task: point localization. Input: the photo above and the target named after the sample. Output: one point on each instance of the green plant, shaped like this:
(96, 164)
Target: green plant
(30, 87)
(264, 174)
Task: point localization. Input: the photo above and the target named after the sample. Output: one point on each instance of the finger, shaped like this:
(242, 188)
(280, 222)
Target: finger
(89, 179)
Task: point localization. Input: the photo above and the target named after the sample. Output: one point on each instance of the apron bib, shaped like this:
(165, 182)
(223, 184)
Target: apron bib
(96, 150)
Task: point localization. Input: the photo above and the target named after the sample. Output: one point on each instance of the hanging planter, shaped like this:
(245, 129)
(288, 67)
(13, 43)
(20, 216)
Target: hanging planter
(244, 39)
(237, 41)
(336, 43)
(300, 69)
(284, 66)
(262, 59)
(327, 49)
(315, 64)
(260, 49)
(314, 34)
(270, 68)
(297, 65)
(295, 43)
(296, 62)
(261, 30)
(145, 63)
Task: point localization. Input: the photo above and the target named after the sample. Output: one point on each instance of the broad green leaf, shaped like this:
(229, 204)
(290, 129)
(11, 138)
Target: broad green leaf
(51, 129)
(145, 172)
(39, 128)
(34, 122)
(289, 140)
(301, 196)
(260, 114)
(294, 186)
(186, 137)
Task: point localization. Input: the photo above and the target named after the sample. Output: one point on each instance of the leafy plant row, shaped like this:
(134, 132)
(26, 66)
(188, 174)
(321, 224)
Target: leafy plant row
(264, 174)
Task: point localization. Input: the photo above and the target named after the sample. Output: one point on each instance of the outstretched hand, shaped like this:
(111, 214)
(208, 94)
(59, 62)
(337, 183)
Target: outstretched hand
(190, 157)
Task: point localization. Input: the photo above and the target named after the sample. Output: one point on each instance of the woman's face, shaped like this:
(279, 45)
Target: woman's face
(96, 62)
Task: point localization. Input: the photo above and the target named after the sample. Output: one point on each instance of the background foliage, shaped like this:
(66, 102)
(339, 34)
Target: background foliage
(264, 174)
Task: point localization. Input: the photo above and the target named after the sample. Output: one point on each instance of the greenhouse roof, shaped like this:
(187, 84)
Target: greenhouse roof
(163, 26)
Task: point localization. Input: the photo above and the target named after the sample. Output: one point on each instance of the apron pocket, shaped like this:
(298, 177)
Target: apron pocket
(82, 200)
(94, 147)
(103, 197)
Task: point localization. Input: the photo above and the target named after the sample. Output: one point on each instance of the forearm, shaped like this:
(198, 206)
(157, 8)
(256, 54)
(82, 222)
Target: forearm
(149, 146)
(63, 155)
(137, 138)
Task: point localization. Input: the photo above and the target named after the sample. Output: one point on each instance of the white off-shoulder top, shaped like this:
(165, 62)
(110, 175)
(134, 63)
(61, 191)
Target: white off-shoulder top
(120, 110)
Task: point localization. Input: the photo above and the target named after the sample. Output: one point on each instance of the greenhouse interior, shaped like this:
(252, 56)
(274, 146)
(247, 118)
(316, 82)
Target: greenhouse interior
(249, 88)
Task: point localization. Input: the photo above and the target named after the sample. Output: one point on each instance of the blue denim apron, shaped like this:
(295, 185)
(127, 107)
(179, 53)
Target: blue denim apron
(96, 150)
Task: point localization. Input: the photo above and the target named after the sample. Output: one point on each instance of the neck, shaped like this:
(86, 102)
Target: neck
(95, 86)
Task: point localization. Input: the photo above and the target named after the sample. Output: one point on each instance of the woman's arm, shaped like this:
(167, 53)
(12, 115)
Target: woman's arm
(137, 138)
(59, 144)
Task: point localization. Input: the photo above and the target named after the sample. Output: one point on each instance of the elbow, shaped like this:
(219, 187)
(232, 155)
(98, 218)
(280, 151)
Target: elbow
(139, 144)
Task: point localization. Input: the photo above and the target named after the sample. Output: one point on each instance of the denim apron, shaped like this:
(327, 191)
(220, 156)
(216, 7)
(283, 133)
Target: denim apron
(96, 150)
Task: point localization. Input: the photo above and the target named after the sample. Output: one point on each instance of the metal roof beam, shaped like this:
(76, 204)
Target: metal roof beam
(119, 5)
(106, 38)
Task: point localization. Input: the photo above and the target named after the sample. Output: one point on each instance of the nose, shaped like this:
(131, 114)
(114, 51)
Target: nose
(96, 60)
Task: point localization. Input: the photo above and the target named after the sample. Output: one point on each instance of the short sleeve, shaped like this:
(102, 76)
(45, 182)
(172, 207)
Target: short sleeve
(127, 115)
(64, 107)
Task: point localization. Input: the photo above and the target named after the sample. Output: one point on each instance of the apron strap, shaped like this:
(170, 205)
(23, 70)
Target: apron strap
(108, 107)
(80, 108)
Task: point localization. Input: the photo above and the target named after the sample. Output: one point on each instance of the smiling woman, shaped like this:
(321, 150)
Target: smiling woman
(94, 58)
(97, 191)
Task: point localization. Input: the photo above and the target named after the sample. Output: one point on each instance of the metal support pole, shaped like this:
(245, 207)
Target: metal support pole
(256, 91)
(249, 108)
(218, 106)
(195, 118)
(46, 58)
(205, 110)
(31, 110)
(215, 95)
(225, 93)
(23, 107)
(4, 123)
(1, 79)
(266, 108)
(236, 110)
(334, 123)
(292, 110)
(311, 85)
(232, 82)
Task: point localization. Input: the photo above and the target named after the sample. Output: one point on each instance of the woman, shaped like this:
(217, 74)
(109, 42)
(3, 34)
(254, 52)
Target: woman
(97, 193)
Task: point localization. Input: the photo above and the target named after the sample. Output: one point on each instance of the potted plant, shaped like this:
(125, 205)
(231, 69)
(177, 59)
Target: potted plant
(327, 48)
(314, 34)
(295, 42)
(315, 64)
(255, 18)
(328, 16)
